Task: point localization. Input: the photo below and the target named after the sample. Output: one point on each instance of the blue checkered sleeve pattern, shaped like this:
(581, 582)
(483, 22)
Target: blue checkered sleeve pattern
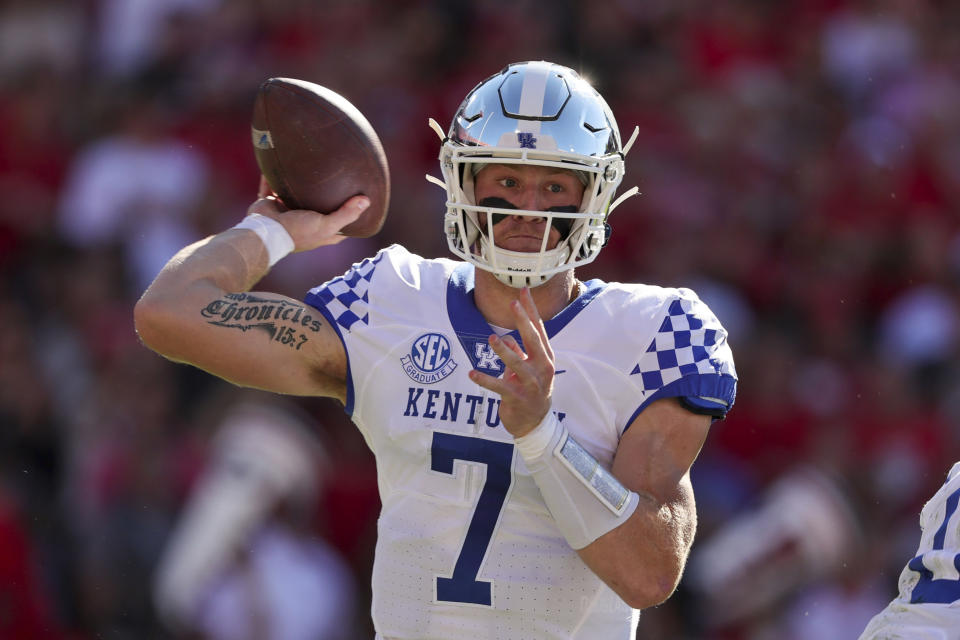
(689, 341)
(345, 299)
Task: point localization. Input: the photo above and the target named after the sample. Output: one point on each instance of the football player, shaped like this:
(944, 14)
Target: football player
(533, 432)
(927, 606)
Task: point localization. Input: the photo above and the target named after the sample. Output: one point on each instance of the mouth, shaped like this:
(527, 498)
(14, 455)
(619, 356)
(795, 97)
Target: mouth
(522, 242)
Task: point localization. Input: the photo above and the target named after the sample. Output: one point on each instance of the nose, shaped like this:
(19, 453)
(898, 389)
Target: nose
(531, 200)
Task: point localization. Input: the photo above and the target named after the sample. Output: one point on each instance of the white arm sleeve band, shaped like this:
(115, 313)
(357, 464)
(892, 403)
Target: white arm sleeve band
(585, 499)
(275, 238)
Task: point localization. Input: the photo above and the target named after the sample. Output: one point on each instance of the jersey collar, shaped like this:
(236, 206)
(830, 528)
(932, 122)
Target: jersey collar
(472, 329)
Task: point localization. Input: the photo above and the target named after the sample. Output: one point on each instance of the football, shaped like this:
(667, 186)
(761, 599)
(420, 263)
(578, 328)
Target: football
(316, 150)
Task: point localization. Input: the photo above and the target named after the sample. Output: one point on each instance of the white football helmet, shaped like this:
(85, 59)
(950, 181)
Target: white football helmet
(531, 113)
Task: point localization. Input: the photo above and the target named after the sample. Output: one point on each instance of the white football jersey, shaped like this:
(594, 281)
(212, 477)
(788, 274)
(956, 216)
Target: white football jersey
(466, 547)
(928, 602)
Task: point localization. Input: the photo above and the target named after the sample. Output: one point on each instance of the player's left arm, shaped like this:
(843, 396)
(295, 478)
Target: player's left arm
(632, 525)
(643, 558)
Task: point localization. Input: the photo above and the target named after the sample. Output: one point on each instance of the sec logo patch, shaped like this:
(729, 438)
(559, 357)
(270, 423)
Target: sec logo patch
(429, 359)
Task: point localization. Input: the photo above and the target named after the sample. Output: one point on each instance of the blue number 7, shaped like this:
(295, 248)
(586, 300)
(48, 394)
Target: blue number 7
(463, 585)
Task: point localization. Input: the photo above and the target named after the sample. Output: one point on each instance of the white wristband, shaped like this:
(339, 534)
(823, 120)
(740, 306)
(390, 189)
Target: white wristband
(532, 445)
(585, 499)
(275, 238)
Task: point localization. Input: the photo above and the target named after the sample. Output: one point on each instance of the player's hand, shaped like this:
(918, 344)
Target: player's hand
(526, 385)
(309, 229)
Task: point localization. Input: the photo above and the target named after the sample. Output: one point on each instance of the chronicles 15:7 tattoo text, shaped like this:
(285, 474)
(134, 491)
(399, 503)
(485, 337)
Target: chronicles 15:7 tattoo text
(285, 321)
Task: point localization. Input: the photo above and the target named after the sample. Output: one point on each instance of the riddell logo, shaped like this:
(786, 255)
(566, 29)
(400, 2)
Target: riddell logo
(429, 359)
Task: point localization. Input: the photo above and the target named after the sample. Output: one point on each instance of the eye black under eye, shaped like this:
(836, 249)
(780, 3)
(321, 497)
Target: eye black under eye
(495, 202)
(563, 225)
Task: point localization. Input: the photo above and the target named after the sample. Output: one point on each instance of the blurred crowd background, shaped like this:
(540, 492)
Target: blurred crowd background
(799, 164)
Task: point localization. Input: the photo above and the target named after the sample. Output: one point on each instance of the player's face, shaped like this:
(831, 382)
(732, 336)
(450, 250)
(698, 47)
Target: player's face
(532, 188)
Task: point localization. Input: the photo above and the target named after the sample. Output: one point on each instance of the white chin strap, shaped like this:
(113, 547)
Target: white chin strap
(523, 269)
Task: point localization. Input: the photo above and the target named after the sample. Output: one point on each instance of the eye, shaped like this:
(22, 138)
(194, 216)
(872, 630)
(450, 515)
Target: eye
(508, 182)
(555, 187)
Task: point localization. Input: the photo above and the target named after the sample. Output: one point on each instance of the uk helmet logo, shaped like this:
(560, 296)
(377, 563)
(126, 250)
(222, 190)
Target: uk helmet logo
(429, 359)
(526, 140)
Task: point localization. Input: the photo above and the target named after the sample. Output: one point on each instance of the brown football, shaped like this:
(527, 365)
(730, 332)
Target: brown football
(316, 150)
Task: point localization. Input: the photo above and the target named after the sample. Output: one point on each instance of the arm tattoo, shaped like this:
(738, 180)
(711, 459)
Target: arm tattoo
(287, 322)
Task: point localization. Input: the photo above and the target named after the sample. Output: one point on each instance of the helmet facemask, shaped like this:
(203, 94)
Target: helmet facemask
(581, 137)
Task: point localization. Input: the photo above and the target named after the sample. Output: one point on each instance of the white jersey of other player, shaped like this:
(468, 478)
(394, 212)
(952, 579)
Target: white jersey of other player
(466, 546)
(928, 604)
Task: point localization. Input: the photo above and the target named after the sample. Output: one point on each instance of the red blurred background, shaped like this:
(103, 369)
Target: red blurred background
(799, 164)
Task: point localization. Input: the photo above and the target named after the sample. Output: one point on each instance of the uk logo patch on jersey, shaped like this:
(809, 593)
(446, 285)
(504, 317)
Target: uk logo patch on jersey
(429, 359)
(481, 354)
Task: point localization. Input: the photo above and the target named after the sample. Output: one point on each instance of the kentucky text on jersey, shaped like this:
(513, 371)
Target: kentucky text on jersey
(431, 406)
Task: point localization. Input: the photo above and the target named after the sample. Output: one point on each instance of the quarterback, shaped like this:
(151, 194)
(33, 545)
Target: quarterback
(533, 432)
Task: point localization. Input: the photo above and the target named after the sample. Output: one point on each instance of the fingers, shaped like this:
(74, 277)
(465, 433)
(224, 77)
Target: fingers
(520, 370)
(518, 380)
(512, 344)
(497, 385)
(526, 297)
(526, 386)
(347, 213)
(531, 327)
(326, 228)
(536, 356)
(510, 353)
(267, 202)
(268, 206)
(264, 189)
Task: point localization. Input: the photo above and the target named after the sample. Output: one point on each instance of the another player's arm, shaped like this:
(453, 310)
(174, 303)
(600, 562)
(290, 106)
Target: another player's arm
(200, 310)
